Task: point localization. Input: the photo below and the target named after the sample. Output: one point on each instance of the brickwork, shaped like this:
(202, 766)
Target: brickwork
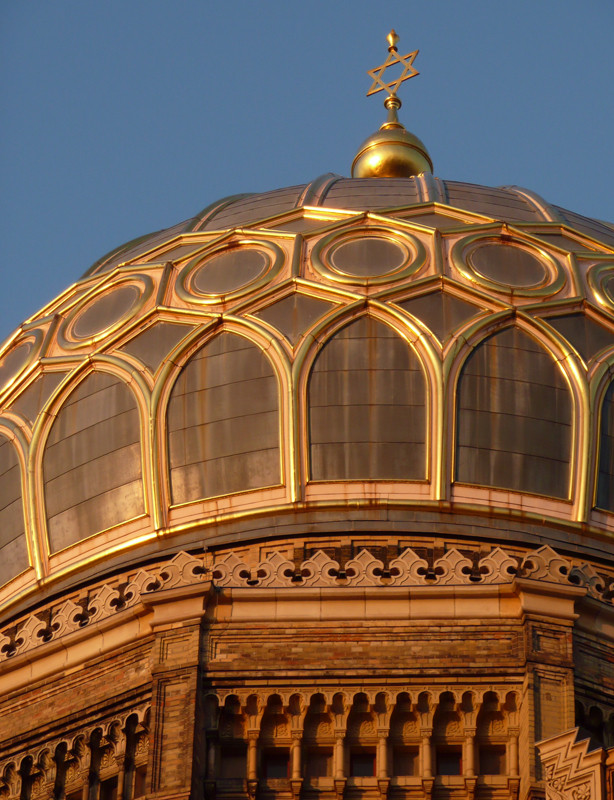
(211, 690)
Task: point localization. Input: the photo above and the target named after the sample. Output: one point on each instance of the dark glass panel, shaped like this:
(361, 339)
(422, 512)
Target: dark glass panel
(605, 480)
(367, 413)
(104, 311)
(92, 461)
(233, 761)
(514, 417)
(13, 546)
(294, 315)
(362, 764)
(508, 265)
(405, 761)
(449, 761)
(223, 422)
(229, 271)
(440, 311)
(318, 762)
(108, 789)
(153, 345)
(30, 402)
(275, 764)
(586, 335)
(492, 759)
(369, 256)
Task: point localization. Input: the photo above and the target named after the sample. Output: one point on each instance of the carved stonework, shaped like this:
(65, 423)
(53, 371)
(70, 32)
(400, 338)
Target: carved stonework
(73, 764)
(546, 564)
(277, 571)
(570, 771)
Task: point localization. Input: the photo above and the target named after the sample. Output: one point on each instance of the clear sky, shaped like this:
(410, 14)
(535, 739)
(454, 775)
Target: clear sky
(125, 116)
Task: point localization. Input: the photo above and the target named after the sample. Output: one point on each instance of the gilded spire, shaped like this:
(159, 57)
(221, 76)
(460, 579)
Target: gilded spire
(393, 151)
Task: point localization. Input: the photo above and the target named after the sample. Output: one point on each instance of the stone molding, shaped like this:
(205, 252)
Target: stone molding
(71, 753)
(570, 771)
(229, 571)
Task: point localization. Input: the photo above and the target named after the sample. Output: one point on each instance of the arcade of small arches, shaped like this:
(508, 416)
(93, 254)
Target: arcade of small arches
(231, 423)
(363, 742)
(107, 760)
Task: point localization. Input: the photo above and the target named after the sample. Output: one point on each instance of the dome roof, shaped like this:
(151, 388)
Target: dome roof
(384, 353)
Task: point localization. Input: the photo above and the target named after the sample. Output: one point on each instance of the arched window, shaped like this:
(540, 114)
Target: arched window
(514, 417)
(367, 407)
(605, 480)
(223, 421)
(92, 461)
(13, 547)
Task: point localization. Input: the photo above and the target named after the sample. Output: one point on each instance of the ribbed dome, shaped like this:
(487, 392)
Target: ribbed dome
(383, 353)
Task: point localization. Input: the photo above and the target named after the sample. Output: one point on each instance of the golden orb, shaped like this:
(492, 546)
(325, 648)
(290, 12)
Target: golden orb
(391, 152)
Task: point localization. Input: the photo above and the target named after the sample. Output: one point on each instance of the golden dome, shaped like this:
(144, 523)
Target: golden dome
(191, 385)
(391, 152)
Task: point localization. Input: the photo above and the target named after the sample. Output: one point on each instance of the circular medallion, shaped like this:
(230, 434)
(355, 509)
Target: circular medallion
(508, 267)
(229, 272)
(367, 257)
(601, 281)
(98, 316)
(105, 311)
(18, 357)
(372, 256)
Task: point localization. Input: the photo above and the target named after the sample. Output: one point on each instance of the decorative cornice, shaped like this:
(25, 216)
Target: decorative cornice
(229, 571)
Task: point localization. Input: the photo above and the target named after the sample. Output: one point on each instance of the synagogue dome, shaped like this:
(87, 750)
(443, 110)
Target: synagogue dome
(398, 351)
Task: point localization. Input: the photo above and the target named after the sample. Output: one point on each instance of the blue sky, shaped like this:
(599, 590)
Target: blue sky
(127, 116)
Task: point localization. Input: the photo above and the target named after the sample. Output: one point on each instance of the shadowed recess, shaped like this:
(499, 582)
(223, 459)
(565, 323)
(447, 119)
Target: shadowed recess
(605, 481)
(294, 315)
(586, 335)
(13, 547)
(514, 417)
(367, 413)
(153, 345)
(92, 461)
(223, 422)
(440, 311)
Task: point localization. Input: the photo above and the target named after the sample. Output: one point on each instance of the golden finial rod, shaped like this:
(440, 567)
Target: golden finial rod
(392, 152)
(393, 38)
(409, 71)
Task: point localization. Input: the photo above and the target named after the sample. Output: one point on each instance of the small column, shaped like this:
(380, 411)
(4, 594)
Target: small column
(382, 754)
(252, 763)
(295, 755)
(338, 755)
(121, 776)
(252, 753)
(469, 754)
(426, 754)
(296, 781)
(383, 781)
(513, 751)
(212, 758)
(338, 764)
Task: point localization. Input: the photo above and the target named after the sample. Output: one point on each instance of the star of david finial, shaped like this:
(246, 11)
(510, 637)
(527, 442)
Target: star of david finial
(407, 63)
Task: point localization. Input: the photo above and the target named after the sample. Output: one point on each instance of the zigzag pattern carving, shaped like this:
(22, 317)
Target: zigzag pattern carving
(572, 773)
(319, 571)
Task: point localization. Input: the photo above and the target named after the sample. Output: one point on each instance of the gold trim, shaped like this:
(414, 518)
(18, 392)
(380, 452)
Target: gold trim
(42, 428)
(409, 244)
(184, 283)
(597, 275)
(573, 371)
(18, 439)
(461, 259)
(66, 337)
(179, 358)
(428, 360)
